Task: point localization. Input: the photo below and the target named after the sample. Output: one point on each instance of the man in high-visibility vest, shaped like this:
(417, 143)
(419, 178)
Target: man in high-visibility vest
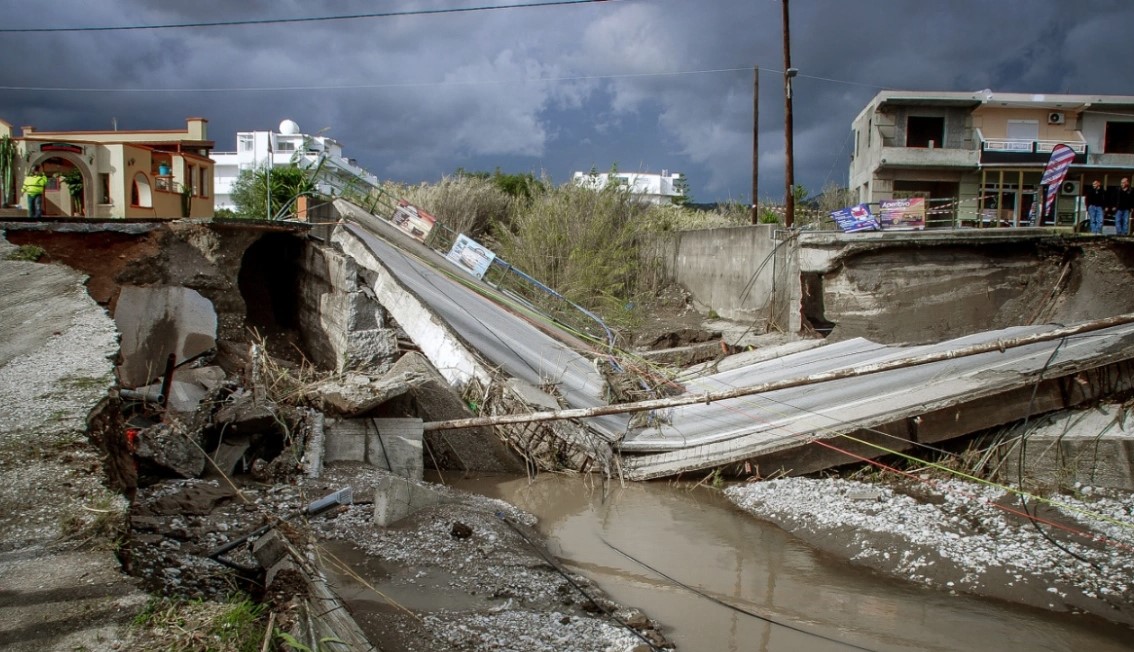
(34, 185)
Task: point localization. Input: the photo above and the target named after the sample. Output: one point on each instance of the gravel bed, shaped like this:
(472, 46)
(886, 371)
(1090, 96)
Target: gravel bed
(960, 536)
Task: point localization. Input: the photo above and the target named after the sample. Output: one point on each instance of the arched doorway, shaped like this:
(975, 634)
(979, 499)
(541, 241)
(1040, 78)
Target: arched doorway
(70, 185)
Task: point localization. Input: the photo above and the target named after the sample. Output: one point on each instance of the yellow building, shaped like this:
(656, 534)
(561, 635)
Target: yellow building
(124, 174)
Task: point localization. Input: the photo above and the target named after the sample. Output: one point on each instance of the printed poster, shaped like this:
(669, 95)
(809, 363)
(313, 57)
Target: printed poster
(902, 214)
(412, 220)
(471, 256)
(855, 218)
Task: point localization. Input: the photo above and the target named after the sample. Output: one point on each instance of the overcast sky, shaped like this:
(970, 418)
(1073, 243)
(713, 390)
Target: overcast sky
(649, 85)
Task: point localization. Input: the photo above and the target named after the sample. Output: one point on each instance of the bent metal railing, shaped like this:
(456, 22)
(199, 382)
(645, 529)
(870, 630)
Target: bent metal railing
(502, 275)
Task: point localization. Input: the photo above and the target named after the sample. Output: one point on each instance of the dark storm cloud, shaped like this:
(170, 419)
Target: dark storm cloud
(415, 97)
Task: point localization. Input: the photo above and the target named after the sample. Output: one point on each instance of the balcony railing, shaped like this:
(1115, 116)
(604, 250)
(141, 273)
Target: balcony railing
(1025, 146)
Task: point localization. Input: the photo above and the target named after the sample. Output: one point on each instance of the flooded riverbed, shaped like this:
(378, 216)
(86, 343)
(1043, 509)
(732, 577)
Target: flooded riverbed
(698, 538)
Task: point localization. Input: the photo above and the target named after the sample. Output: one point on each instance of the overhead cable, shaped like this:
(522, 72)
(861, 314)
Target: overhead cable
(307, 19)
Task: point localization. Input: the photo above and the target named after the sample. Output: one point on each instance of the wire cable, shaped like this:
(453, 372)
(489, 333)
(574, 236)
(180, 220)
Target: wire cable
(307, 19)
(728, 605)
(559, 569)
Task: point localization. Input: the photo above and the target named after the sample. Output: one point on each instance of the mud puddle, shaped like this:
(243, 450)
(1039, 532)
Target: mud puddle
(698, 538)
(420, 590)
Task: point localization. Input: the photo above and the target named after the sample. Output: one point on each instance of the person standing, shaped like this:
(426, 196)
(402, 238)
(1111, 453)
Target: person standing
(34, 185)
(1123, 203)
(1096, 205)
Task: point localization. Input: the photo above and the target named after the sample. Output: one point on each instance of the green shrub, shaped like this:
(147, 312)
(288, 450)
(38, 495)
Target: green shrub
(30, 253)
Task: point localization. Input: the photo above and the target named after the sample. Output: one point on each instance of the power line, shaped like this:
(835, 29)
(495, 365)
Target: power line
(331, 87)
(309, 19)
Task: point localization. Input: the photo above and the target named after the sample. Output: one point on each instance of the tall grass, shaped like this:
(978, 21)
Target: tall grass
(465, 204)
(585, 244)
(580, 242)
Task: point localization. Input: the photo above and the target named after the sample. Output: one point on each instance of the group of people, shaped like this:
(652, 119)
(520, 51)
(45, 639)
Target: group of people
(1100, 202)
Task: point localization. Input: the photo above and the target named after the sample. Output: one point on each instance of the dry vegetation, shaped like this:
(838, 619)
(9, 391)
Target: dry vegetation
(588, 246)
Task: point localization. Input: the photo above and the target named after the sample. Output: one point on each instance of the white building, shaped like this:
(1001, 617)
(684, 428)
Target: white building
(289, 145)
(662, 188)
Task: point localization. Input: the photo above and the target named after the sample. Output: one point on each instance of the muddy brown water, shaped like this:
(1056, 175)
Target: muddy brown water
(698, 538)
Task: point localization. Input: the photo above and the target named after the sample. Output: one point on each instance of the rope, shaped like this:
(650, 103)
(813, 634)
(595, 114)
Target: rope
(554, 564)
(728, 605)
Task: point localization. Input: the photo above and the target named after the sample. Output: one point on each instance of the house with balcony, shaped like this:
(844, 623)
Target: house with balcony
(288, 146)
(119, 174)
(660, 189)
(977, 158)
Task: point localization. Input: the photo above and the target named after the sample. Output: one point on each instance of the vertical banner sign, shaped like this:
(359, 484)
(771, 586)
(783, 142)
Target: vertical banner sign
(1053, 175)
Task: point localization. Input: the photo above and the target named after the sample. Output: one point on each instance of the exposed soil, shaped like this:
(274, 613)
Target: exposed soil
(467, 573)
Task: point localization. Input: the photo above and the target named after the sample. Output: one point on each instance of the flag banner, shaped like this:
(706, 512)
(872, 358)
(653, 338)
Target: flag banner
(855, 218)
(1061, 158)
(902, 214)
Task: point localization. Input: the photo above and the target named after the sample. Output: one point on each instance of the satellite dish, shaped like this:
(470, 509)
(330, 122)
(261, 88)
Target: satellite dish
(289, 128)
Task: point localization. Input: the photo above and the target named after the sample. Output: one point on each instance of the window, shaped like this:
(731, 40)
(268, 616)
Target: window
(202, 178)
(1023, 130)
(1119, 138)
(925, 131)
(104, 188)
(246, 143)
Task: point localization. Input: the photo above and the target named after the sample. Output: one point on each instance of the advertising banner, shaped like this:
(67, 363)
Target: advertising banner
(471, 256)
(902, 214)
(412, 220)
(855, 218)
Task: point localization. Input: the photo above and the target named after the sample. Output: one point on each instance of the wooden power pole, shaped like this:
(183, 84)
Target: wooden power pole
(789, 163)
(755, 142)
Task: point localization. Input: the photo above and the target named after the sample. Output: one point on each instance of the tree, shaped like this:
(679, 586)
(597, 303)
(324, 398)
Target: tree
(523, 185)
(681, 185)
(7, 171)
(834, 197)
(249, 191)
(74, 180)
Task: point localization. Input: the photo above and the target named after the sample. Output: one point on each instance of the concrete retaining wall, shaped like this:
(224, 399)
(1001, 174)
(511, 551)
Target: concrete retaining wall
(900, 287)
(742, 273)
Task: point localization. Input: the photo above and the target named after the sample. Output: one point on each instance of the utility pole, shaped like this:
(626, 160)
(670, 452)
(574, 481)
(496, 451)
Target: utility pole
(789, 163)
(755, 141)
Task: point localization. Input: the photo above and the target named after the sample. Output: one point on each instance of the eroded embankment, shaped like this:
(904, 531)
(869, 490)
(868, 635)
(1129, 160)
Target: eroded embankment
(917, 291)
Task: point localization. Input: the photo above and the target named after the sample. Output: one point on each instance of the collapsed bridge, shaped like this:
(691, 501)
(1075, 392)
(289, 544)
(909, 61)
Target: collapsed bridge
(512, 391)
(799, 413)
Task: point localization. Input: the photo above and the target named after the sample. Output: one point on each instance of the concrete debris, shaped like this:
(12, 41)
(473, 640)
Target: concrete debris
(356, 394)
(246, 415)
(157, 321)
(478, 449)
(391, 444)
(188, 388)
(398, 498)
(168, 449)
(1093, 447)
(227, 455)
